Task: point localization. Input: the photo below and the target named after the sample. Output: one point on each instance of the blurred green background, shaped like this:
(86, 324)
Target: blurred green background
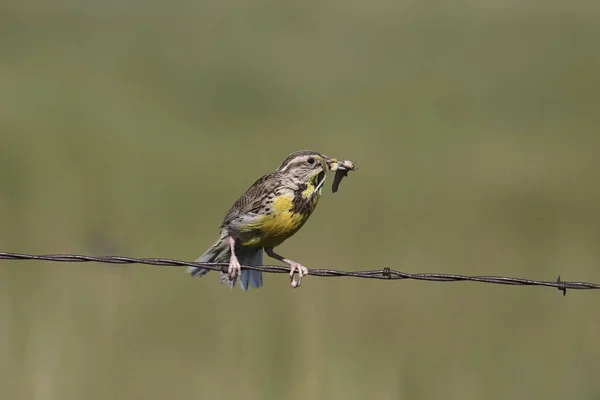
(131, 127)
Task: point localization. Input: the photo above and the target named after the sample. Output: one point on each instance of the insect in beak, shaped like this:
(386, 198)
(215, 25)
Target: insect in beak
(341, 169)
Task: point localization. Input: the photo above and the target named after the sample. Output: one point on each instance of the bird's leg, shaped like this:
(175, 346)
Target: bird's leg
(302, 270)
(235, 268)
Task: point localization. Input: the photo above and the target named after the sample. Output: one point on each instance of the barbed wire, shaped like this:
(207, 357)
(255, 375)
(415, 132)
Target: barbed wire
(385, 273)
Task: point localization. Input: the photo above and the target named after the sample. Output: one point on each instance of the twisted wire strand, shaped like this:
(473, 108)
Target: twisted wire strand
(385, 273)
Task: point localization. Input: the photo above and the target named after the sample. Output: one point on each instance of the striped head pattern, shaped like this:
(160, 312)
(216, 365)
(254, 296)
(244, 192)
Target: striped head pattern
(305, 166)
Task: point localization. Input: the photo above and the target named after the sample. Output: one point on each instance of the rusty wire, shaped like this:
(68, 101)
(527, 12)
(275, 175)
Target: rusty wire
(385, 273)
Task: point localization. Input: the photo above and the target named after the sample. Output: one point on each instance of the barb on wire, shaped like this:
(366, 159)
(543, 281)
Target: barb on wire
(385, 273)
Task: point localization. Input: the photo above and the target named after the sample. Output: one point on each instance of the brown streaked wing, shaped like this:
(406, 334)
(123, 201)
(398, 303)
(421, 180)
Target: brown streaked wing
(252, 199)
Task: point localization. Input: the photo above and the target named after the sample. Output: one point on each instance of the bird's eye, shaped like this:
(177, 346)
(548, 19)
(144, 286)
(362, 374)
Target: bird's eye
(310, 160)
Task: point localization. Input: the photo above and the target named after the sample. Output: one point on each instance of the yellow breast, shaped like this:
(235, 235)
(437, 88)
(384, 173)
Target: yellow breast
(271, 230)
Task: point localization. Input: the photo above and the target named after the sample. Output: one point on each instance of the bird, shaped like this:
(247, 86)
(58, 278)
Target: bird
(273, 209)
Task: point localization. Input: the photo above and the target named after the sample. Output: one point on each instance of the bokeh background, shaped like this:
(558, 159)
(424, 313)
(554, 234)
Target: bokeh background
(130, 128)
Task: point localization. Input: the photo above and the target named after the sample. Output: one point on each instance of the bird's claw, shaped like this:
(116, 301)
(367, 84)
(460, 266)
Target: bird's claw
(235, 269)
(302, 271)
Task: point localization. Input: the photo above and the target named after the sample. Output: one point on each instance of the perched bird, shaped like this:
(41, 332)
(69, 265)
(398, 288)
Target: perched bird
(272, 209)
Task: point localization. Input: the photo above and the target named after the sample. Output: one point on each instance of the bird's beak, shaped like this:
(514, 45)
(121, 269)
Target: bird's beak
(331, 163)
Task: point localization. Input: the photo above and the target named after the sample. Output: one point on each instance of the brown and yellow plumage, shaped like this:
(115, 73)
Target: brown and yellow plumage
(274, 208)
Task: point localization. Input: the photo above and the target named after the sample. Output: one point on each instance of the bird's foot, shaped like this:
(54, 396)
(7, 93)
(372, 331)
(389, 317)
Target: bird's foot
(302, 271)
(235, 269)
(294, 266)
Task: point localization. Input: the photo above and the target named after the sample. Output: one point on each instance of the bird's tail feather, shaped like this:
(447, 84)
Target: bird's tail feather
(251, 256)
(220, 252)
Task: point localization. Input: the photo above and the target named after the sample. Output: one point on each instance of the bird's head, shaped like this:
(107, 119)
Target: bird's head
(305, 166)
(308, 166)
